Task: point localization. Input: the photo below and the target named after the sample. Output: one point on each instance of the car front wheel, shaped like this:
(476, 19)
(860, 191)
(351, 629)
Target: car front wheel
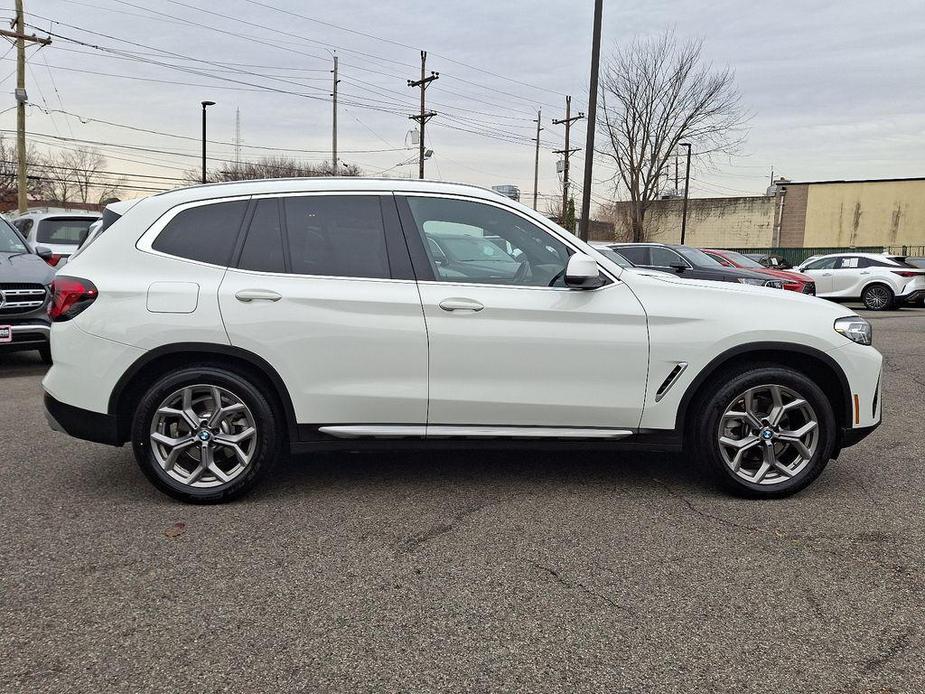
(765, 432)
(204, 434)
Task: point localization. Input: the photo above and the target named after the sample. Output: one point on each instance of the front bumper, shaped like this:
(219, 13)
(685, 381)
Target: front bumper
(25, 336)
(80, 423)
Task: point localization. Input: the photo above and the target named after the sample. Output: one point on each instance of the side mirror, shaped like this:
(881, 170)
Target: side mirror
(582, 272)
(43, 252)
(678, 267)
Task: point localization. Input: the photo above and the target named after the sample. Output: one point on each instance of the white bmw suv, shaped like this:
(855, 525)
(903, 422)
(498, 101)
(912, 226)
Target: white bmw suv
(232, 323)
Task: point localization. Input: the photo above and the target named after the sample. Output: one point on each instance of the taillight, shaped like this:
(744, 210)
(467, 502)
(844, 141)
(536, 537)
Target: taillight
(70, 296)
(906, 273)
(53, 259)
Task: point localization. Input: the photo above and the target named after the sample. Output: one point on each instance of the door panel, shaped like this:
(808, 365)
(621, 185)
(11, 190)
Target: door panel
(348, 350)
(536, 357)
(846, 277)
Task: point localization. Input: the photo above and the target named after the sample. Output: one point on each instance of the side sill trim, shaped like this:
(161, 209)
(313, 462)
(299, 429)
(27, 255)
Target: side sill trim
(476, 432)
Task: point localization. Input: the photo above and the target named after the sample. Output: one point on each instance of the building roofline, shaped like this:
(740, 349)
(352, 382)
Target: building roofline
(853, 180)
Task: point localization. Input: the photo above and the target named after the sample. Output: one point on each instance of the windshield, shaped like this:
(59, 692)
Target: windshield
(10, 241)
(469, 248)
(697, 257)
(742, 260)
(63, 230)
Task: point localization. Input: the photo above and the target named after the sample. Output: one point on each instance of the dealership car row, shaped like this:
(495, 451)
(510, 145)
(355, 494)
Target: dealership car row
(880, 281)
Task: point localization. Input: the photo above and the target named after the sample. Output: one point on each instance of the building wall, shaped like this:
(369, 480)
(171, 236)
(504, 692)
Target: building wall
(865, 213)
(792, 216)
(746, 222)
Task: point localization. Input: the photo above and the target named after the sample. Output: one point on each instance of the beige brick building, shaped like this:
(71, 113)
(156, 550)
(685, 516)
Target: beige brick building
(887, 212)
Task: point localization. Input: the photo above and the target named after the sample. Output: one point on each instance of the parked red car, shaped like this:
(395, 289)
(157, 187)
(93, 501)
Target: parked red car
(793, 280)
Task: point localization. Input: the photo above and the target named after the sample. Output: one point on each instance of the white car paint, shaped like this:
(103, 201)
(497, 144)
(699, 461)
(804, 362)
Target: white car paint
(848, 278)
(368, 354)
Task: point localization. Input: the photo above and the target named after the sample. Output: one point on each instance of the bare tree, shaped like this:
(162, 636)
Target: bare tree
(279, 166)
(79, 175)
(655, 94)
(36, 182)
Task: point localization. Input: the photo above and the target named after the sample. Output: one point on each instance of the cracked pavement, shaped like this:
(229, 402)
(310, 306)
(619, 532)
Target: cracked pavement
(465, 572)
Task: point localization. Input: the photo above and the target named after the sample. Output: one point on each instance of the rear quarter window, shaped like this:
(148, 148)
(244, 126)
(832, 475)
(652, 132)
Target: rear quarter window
(206, 233)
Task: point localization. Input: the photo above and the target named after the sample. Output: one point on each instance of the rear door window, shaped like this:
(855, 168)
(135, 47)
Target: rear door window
(336, 235)
(206, 233)
(637, 255)
(263, 248)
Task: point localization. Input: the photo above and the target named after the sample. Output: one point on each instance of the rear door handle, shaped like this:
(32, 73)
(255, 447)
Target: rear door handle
(865, 272)
(826, 274)
(248, 295)
(457, 304)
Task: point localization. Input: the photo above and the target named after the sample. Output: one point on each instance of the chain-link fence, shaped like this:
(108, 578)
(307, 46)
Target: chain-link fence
(795, 256)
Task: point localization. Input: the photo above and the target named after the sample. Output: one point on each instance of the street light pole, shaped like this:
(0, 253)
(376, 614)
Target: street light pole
(687, 185)
(205, 105)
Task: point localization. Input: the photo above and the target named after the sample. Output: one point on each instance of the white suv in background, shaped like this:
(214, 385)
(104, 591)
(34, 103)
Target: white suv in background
(59, 230)
(232, 323)
(880, 281)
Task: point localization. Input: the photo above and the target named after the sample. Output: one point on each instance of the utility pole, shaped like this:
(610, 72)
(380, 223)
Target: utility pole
(677, 185)
(585, 224)
(687, 185)
(21, 98)
(334, 121)
(567, 121)
(237, 137)
(424, 115)
(536, 161)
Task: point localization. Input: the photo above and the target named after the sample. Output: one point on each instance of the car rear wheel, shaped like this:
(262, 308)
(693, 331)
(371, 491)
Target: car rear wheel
(878, 297)
(205, 435)
(765, 432)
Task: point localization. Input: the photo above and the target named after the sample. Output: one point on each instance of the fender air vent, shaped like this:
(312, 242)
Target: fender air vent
(670, 380)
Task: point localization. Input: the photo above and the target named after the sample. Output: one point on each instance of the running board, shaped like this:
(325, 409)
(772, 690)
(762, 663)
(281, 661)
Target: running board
(444, 431)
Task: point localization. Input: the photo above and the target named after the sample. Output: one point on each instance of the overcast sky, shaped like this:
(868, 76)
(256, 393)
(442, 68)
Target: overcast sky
(836, 88)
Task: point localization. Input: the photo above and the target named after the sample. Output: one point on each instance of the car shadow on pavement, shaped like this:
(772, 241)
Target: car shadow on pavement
(617, 471)
(21, 364)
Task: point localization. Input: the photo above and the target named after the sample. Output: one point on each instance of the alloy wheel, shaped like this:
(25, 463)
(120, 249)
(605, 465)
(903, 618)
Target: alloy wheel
(876, 298)
(768, 434)
(203, 436)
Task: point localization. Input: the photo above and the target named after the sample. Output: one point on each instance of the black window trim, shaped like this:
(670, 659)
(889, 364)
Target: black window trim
(421, 260)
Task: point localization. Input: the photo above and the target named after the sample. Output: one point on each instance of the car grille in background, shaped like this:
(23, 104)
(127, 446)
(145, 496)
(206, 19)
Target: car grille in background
(809, 288)
(21, 298)
(774, 284)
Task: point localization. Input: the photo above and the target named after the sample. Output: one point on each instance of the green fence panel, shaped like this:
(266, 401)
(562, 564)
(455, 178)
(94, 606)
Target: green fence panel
(795, 256)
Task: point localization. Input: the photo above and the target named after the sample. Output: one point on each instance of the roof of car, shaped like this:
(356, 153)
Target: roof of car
(874, 256)
(44, 213)
(324, 183)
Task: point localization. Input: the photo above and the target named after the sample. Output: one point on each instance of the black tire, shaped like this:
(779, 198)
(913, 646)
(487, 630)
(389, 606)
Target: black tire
(878, 297)
(724, 391)
(45, 354)
(266, 449)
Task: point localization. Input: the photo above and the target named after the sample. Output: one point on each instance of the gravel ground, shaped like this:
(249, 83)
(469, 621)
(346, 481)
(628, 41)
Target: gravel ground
(465, 572)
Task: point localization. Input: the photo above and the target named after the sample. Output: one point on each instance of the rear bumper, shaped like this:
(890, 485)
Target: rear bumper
(80, 423)
(915, 295)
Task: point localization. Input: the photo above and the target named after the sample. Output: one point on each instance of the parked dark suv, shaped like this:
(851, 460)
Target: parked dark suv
(25, 279)
(688, 262)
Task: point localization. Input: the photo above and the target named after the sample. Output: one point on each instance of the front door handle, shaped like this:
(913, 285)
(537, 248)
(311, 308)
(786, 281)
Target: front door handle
(865, 272)
(826, 274)
(457, 304)
(248, 295)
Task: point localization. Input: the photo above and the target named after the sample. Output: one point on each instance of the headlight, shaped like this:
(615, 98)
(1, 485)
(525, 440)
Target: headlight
(749, 280)
(855, 329)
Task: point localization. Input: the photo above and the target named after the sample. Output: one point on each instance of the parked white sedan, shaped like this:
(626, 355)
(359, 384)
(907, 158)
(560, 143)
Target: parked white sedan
(880, 281)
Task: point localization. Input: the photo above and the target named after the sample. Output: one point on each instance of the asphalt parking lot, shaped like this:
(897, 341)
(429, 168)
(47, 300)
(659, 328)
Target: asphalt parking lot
(454, 572)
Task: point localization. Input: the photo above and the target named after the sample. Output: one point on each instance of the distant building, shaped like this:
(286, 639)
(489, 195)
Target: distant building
(794, 214)
(509, 191)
